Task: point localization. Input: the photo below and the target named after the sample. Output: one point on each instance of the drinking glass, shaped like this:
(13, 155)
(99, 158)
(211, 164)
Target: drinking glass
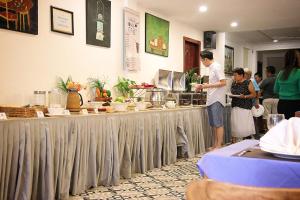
(274, 119)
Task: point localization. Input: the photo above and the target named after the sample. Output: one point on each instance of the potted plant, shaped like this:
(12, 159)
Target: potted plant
(123, 87)
(191, 77)
(101, 93)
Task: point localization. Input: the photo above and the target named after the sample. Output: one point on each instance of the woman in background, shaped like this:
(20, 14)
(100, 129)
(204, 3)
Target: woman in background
(242, 124)
(287, 85)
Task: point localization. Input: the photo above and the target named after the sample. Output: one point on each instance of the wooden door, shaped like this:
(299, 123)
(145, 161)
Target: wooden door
(191, 54)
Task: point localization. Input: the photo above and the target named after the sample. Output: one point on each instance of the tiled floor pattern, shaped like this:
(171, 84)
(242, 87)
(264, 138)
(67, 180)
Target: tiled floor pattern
(167, 183)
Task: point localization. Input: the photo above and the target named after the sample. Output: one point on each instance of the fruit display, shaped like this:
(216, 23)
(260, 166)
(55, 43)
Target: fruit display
(102, 94)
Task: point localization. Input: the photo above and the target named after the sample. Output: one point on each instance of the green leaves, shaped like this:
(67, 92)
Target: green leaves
(63, 85)
(191, 77)
(96, 83)
(123, 86)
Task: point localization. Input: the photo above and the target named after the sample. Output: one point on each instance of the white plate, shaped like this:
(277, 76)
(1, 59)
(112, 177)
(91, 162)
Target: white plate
(233, 95)
(282, 155)
(257, 112)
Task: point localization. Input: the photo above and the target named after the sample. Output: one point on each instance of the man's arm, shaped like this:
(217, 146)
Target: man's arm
(221, 83)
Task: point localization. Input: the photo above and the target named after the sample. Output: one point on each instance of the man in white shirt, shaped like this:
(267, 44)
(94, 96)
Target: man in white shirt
(215, 96)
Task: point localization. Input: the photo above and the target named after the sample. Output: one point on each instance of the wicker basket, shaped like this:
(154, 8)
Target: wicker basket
(21, 111)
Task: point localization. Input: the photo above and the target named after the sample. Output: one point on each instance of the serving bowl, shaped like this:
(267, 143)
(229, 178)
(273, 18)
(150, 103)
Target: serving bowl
(141, 105)
(120, 107)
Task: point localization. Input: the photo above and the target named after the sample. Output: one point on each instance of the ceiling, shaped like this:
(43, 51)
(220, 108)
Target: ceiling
(260, 20)
(266, 36)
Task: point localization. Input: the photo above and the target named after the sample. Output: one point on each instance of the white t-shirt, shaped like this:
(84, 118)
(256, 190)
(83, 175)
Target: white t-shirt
(216, 73)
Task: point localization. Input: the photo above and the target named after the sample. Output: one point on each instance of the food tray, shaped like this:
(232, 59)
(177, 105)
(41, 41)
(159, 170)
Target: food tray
(25, 112)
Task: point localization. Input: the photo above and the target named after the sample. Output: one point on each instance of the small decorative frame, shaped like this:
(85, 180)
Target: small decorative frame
(229, 59)
(62, 21)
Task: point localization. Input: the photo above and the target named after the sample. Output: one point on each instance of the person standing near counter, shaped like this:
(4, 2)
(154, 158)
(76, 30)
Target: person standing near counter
(215, 96)
(270, 98)
(287, 85)
(242, 123)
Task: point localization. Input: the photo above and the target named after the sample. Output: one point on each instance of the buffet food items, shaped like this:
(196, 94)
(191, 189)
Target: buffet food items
(120, 104)
(24, 111)
(101, 94)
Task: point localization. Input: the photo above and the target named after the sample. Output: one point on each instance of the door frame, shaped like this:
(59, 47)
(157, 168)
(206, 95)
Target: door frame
(196, 42)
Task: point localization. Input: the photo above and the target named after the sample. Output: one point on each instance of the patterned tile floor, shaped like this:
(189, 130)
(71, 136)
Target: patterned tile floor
(167, 183)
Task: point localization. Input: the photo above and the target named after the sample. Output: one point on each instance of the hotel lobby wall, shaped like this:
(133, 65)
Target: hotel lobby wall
(32, 62)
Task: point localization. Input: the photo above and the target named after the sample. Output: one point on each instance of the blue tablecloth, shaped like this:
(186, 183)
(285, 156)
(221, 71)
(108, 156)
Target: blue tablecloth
(220, 165)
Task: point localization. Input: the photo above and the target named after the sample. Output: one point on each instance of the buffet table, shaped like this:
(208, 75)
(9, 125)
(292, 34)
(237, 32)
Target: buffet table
(53, 157)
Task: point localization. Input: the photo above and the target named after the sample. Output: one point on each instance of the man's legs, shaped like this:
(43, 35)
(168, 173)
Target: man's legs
(215, 116)
(219, 135)
(274, 105)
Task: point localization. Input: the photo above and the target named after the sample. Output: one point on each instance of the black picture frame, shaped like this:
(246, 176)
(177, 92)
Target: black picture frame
(229, 60)
(60, 23)
(98, 22)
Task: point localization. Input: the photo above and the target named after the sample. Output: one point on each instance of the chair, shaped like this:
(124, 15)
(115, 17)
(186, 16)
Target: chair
(207, 189)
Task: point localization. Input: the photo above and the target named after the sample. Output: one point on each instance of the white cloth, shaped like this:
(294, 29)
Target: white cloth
(283, 138)
(242, 124)
(216, 73)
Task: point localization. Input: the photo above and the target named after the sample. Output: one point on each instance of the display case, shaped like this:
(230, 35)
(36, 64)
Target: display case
(178, 81)
(185, 99)
(163, 79)
(199, 98)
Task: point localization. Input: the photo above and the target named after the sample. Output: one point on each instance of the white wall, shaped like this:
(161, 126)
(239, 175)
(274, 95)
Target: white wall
(30, 62)
(239, 49)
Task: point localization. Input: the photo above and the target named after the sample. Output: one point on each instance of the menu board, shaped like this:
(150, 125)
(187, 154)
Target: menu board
(131, 40)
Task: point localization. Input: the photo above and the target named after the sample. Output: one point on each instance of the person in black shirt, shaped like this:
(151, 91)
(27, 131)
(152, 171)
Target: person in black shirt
(242, 124)
(270, 99)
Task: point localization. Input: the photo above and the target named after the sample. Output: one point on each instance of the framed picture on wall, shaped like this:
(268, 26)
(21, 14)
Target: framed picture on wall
(21, 16)
(98, 22)
(229, 59)
(62, 21)
(157, 35)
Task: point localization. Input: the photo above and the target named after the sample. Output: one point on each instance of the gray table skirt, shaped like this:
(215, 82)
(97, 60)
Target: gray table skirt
(51, 158)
